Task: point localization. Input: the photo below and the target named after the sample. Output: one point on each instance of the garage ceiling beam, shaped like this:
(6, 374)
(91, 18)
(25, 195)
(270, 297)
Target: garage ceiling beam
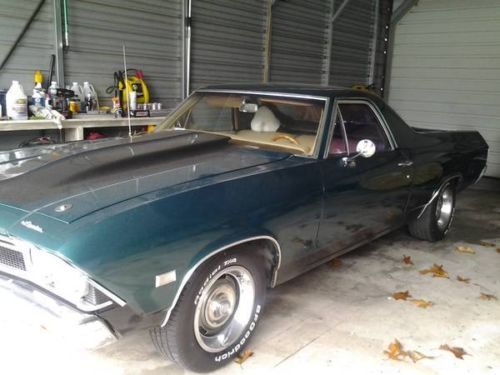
(339, 10)
(404, 8)
(22, 33)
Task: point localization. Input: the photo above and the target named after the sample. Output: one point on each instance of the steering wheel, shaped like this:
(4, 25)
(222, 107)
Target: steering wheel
(287, 137)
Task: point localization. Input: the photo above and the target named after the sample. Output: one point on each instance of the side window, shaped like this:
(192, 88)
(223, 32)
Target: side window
(361, 123)
(338, 143)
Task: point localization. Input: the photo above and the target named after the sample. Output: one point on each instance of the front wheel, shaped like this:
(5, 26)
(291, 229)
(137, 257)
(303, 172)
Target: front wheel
(217, 312)
(437, 217)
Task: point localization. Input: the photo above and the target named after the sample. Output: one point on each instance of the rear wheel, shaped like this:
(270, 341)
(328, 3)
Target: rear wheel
(437, 217)
(217, 312)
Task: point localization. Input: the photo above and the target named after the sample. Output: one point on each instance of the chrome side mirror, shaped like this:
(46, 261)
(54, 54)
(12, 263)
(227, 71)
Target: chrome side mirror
(364, 148)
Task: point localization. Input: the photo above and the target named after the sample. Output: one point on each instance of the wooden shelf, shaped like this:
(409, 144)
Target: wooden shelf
(74, 128)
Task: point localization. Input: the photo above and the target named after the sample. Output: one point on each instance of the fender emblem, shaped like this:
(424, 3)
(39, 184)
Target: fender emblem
(30, 225)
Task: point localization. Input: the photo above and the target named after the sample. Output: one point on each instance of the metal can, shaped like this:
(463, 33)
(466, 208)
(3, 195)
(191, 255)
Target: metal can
(74, 106)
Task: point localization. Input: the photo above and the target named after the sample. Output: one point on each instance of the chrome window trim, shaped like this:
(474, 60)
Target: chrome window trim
(191, 271)
(376, 111)
(322, 121)
(268, 93)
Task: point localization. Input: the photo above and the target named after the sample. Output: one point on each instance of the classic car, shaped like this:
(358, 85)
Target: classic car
(242, 188)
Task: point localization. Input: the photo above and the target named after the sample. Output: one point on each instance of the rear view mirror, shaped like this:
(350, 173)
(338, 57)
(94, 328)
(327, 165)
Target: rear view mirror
(366, 148)
(248, 107)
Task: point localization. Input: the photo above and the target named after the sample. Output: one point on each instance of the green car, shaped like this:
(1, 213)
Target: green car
(242, 188)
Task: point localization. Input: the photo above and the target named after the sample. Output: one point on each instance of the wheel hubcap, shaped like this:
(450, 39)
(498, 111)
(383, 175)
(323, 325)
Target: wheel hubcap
(219, 305)
(224, 309)
(444, 208)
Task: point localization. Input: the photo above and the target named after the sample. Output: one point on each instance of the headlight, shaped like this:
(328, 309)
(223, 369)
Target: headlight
(61, 278)
(55, 274)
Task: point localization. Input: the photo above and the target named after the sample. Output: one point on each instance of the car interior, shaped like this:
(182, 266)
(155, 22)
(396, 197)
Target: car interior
(276, 123)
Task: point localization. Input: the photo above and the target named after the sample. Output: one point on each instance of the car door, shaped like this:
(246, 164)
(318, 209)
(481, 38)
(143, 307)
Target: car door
(363, 197)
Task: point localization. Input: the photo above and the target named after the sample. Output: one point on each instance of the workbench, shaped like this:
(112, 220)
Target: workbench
(74, 128)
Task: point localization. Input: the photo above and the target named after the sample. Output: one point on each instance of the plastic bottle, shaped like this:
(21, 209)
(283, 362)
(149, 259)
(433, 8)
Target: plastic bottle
(78, 90)
(51, 95)
(38, 97)
(90, 97)
(17, 102)
(38, 78)
(53, 88)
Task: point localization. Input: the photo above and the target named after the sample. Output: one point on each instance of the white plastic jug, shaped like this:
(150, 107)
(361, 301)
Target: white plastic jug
(17, 102)
(90, 97)
(78, 90)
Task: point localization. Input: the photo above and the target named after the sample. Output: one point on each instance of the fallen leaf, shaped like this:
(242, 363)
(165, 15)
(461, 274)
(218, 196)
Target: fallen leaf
(466, 249)
(488, 297)
(243, 356)
(401, 295)
(457, 352)
(463, 279)
(487, 244)
(407, 260)
(337, 262)
(395, 351)
(417, 356)
(436, 270)
(422, 303)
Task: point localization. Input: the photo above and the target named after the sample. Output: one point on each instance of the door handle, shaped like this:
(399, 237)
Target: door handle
(407, 163)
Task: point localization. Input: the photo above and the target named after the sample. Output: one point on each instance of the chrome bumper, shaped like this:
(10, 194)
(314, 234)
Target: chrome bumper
(24, 304)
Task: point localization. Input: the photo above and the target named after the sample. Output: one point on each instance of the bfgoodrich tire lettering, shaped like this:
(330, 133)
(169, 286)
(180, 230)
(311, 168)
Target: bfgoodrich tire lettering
(228, 285)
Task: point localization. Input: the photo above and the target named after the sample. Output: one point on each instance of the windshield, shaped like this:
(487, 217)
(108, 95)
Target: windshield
(266, 121)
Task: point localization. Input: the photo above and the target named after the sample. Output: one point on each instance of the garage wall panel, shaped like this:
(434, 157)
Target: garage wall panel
(227, 41)
(352, 43)
(446, 69)
(299, 37)
(151, 31)
(34, 49)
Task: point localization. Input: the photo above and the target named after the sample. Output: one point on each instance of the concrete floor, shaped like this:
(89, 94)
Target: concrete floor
(338, 319)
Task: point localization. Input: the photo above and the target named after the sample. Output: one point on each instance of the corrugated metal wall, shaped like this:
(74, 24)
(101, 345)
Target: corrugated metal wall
(298, 43)
(36, 46)
(446, 69)
(227, 41)
(228, 38)
(352, 43)
(151, 30)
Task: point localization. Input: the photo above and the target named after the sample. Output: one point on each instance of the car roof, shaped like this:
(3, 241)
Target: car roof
(291, 88)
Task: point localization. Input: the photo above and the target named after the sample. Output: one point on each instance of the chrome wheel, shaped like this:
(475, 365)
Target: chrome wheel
(444, 208)
(224, 309)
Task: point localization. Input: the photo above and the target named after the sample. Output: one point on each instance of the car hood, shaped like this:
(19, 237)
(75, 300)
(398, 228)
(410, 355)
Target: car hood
(69, 181)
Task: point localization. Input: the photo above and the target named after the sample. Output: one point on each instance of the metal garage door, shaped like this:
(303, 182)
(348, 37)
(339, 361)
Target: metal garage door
(299, 34)
(352, 43)
(151, 30)
(227, 41)
(446, 69)
(34, 49)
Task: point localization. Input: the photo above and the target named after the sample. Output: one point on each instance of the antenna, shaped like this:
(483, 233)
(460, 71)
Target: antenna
(126, 92)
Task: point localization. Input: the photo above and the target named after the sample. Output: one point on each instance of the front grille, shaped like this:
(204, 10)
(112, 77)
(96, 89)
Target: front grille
(12, 258)
(95, 296)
